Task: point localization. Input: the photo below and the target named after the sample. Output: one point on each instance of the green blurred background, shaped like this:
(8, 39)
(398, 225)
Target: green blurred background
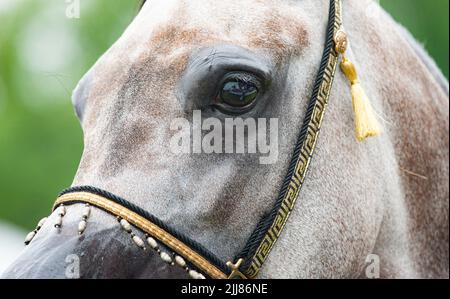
(43, 54)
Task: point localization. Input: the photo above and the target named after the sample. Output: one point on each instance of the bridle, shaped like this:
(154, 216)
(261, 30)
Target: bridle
(252, 257)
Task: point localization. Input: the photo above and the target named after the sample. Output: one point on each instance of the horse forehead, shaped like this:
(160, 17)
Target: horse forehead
(213, 13)
(272, 25)
(167, 32)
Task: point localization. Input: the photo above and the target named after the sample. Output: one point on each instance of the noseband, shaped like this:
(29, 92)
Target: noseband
(186, 252)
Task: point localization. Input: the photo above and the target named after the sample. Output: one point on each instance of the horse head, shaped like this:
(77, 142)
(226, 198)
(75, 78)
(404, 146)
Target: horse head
(181, 61)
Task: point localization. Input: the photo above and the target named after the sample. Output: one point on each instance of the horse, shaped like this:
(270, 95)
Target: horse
(382, 200)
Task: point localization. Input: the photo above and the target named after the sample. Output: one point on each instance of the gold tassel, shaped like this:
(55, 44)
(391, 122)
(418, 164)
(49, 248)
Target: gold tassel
(366, 123)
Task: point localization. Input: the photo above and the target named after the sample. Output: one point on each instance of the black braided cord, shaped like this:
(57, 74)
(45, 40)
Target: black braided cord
(266, 222)
(200, 249)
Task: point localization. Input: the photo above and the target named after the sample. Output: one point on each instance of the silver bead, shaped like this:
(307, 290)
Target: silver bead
(82, 226)
(86, 211)
(125, 225)
(62, 210)
(194, 274)
(58, 221)
(165, 257)
(41, 223)
(152, 242)
(180, 261)
(201, 276)
(138, 241)
(30, 237)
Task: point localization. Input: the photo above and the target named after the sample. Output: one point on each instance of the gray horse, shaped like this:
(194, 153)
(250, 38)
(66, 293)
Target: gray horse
(386, 197)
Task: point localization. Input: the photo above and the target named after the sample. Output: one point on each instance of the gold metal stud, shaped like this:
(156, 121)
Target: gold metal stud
(340, 42)
(235, 272)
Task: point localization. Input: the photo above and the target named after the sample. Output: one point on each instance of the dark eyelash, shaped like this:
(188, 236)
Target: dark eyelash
(244, 77)
(247, 78)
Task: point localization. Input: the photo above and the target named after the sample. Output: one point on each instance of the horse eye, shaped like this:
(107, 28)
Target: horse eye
(239, 90)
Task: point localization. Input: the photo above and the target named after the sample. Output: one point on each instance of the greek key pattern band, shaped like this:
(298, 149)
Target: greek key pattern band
(304, 158)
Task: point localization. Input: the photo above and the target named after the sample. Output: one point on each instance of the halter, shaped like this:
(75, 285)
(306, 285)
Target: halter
(186, 252)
